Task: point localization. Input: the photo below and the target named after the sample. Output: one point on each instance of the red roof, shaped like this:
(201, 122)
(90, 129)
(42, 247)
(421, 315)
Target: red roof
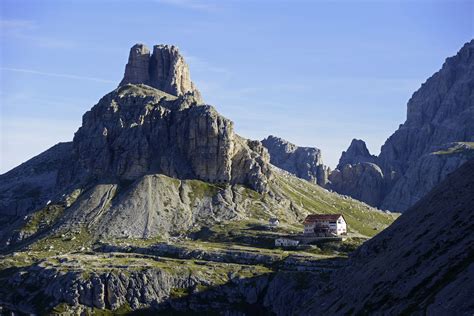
(322, 218)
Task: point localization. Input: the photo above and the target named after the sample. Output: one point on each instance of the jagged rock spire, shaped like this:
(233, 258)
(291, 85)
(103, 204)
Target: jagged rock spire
(356, 153)
(165, 69)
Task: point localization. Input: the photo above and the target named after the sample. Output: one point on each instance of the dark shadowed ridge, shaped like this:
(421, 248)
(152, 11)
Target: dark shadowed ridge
(422, 264)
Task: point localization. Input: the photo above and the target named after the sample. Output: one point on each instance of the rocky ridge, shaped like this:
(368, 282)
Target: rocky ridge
(439, 115)
(303, 162)
(170, 285)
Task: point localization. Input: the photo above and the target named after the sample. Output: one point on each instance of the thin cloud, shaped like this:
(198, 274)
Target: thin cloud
(190, 4)
(16, 24)
(25, 30)
(58, 75)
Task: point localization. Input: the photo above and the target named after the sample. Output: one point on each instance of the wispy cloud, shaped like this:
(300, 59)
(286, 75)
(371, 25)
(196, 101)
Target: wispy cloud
(16, 24)
(191, 4)
(59, 75)
(25, 30)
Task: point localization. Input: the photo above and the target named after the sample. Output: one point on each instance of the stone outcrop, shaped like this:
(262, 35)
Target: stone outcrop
(440, 113)
(154, 290)
(137, 130)
(363, 181)
(165, 69)
(421, 264)
(303, 162)
(356, 153)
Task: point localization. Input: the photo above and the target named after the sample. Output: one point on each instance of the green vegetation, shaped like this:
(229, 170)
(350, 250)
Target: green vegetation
(459, 148)
(361, 218)
(201, 189)
(178, 292)
(65, 309)
(43, 218)
(79, 240)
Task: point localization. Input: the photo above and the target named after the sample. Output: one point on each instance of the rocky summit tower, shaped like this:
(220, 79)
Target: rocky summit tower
(165, 69)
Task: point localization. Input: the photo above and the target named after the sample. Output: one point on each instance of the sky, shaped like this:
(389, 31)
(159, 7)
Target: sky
(317, 73)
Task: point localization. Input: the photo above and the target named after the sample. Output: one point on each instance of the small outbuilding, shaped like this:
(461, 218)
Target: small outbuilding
(325, 225)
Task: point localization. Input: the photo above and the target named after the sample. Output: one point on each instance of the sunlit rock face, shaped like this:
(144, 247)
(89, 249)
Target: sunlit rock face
(165, 69)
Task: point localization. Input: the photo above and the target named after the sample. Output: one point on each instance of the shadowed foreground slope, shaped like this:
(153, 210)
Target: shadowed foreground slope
(422, 264)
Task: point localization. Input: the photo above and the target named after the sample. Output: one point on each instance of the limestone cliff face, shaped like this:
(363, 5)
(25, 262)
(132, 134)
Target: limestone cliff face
(137, 130)
(303, 162)
(165, 69)
(440, 113)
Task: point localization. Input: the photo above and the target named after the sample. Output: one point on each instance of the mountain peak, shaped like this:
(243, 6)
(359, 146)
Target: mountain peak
(165, 69)
(356, 153)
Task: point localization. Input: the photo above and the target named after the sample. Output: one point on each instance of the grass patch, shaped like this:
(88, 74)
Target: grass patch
(43, 218)
(360, 217)
(201, 189)
(179, 292)
(458, 148)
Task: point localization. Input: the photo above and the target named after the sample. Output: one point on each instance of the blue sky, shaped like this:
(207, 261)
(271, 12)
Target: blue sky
(317, 73)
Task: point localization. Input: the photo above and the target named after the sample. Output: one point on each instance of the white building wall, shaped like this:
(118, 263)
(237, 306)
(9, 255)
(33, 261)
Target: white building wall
(341, 226)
